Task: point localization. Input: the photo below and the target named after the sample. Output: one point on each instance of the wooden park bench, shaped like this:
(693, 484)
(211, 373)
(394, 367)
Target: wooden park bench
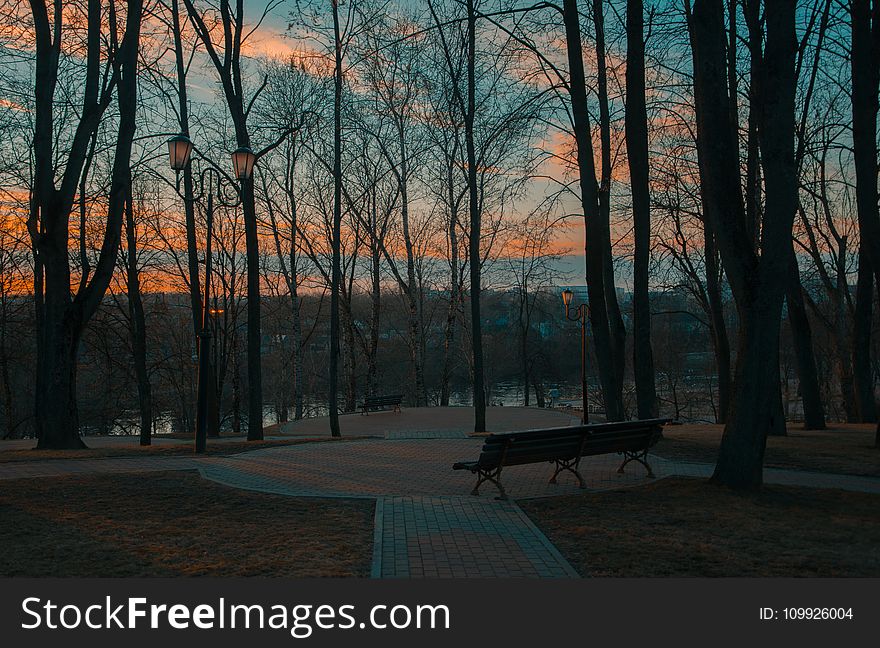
(375, 403)
(563, 447)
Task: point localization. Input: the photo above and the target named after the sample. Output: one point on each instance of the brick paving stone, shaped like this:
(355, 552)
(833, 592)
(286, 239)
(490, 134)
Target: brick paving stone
(454, 537)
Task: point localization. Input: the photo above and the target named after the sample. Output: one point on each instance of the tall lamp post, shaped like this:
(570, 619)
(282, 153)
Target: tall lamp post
(211, 179)
(580, 314)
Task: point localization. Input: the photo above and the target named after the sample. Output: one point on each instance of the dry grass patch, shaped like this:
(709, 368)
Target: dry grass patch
(687, 527)
(176, 524)
(845, 448)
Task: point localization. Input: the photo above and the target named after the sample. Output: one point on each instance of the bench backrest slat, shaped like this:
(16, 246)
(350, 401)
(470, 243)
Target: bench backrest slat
(375, 401)
(533, 446)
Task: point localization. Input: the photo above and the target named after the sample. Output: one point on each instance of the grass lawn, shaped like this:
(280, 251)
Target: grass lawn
(176, 524)
(844, 449)
(686, 527)
(133, 449)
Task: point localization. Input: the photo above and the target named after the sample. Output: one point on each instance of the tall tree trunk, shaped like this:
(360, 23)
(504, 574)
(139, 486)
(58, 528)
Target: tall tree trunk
(863, 378)
(524, 344)
(865, 59)
(350, 362)
(636, 126)
(57, 416)
(758, 282)
(416, 333)
(189, 207)
(865, 89)
(594, 248)
(254, 328)
(227, 63)
(802, 339)
(336, 243)
(375, 312)
(752, 13)
(614, 409)
(718, 325)
(454, 297)
(236, 385)
(475, 225)
(297, 342)
(138, 327)
(841, 337)
(8, 402)
(62, 315)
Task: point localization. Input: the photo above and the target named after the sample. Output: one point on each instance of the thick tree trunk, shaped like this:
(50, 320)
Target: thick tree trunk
(8, 402)
(841, 338)
(802, 339)
(138, 329)
(636, 126)
(62, 316)
(758, 282)
(863, 379)
(865, 59)
(594, 249)
(57, 416)
(755, 403)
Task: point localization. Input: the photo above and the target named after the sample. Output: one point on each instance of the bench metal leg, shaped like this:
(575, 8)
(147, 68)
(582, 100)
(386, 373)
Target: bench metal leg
(641, 457)
(493, 476)
(571, 465)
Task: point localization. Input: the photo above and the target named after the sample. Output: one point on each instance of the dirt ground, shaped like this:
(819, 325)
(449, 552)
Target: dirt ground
(176, 524)
(685, 527)
(844, 448)
(224, 447)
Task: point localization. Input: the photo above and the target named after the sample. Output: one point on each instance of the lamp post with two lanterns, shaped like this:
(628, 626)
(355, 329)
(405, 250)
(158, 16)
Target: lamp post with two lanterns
(211, 180)
(580, 314)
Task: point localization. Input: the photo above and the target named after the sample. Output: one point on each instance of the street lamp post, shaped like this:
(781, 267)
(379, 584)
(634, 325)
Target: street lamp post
(580, 314)
(179, 153)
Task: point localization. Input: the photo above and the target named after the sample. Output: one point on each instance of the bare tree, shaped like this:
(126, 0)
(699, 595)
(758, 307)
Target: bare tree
(637, 154)
(62, 316)
(226, 56)
(758, 280)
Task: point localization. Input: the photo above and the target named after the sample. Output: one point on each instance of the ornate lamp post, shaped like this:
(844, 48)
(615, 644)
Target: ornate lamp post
(211, 181)
(580, 314)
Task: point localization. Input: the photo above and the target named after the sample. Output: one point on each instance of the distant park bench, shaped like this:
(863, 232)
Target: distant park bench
(376, 403)
(564, 447)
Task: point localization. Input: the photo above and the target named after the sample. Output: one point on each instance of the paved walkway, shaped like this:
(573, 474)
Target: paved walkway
(427, 524)
(458, 537)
